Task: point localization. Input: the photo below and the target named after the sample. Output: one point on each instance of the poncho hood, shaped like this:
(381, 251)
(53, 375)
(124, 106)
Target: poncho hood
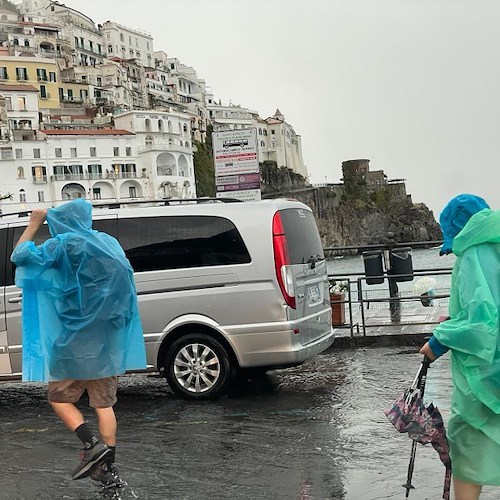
(72, 217)
(482, 227)
(455, 216)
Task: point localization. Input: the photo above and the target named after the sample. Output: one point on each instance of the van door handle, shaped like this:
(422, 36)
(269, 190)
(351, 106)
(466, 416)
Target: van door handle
(16, 300)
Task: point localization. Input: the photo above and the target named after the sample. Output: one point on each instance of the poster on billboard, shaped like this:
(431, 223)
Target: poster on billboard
(236, 160)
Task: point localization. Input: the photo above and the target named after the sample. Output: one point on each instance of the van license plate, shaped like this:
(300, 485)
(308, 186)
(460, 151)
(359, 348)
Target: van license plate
(313, 294)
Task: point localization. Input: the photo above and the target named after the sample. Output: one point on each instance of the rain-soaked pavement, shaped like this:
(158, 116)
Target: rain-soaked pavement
(312, 432)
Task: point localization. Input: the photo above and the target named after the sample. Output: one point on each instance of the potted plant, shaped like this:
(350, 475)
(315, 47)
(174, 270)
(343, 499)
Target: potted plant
(338, 289)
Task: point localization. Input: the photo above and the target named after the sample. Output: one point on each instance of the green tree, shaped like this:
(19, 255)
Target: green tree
(204, 171)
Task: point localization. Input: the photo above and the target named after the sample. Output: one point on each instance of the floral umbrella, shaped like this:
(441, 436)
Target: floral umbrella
(423, 423)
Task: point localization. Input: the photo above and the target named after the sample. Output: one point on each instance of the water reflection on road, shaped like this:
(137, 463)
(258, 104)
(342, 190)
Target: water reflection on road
(312, 432)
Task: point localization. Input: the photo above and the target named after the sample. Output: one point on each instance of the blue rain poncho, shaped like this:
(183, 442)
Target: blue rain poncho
(80, 314)
(473, 337)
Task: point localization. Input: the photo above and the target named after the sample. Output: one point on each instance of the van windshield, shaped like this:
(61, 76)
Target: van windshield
(302, 235)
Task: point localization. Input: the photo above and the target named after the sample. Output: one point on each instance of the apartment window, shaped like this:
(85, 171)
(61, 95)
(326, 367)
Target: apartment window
(110, 49)
(52, 76)
(108, 36)
(16, 42)
(131, 53)
(96, 193)
(26, 43)
(43, 92)
(21, 102)
(8, 104)
(20, 172)
(147, 45)
(41, 74)
(130, 40)
(70, 94)
(21, 74)
(136, 42)
(91, 45)
(22, 196)
(122, 37)
(132, 192)
(84, 94)
(36, 153)
(77, 42)
(6, 154)
(99, 81)
(41, 196)
(99, 49)
(58, 152)
(116, 151)
(128, 151)
(73, 152)
(3, 73)
(93, 152)
(61, 94)
(82, 43)
(19, 154)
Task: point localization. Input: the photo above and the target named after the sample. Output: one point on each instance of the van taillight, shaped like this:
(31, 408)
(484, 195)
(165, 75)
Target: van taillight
(282, 261)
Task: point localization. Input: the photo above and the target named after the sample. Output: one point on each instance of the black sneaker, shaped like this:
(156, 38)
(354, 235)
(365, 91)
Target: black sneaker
(89, 458)
(107, 474)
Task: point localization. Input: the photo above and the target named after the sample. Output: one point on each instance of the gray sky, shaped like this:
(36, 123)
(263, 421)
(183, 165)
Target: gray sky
(413, 85)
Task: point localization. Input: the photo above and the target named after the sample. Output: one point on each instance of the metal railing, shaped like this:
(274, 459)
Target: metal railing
(367, 309)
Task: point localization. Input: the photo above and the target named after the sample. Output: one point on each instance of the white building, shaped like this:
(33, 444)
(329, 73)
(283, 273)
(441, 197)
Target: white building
(128, 43)
(77, 29)
(66, 164)
(19, 112)
(278, 142)
(165, 150)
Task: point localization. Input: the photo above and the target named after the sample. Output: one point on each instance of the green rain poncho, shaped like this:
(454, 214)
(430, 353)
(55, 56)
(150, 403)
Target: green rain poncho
(472, 334)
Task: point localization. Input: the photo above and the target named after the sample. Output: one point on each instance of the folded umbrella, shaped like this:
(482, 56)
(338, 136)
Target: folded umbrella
(423, 424)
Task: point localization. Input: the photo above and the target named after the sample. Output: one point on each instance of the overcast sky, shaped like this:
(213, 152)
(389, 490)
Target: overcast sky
(412, 85)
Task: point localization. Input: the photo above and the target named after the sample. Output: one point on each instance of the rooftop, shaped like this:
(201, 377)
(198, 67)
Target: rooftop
(17, 88)
(87, 132)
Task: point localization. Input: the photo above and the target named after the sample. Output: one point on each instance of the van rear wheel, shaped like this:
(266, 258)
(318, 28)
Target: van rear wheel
(197, 367)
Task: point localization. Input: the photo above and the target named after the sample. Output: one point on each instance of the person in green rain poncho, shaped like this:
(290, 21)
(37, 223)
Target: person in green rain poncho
(471, 231)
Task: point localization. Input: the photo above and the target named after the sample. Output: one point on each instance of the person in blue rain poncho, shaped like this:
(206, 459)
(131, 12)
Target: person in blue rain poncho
(81, 326)
(472, 232)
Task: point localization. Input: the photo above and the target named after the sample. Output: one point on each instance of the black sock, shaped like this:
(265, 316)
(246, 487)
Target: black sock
(85, 436)
(112, 455)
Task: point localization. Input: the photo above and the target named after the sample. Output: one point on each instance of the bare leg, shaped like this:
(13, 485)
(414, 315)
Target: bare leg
(466, 491)
(69, 414)
(107, 425)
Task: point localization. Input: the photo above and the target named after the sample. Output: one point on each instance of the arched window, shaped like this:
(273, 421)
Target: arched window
(170, 141)
(187, 144)
(180, 128)
(185, 128)
(170, 127)
(260, 131)
(16, 41)
(22, 196)
(263, 144)
(149, 141)
(20, 173)
(26, 43)
(148, 125)
(160, 125)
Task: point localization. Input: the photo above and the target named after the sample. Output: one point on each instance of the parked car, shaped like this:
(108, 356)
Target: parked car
(221, 286)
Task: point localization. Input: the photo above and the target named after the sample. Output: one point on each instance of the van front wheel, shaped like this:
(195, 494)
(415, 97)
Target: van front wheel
(197, 367)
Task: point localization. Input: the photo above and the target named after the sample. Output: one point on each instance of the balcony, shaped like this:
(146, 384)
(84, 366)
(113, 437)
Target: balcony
(95, 176)
(162, 147)
(40, 179)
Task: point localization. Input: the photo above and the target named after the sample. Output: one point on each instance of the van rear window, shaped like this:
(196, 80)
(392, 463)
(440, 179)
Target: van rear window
(156, 243)
(301, 235)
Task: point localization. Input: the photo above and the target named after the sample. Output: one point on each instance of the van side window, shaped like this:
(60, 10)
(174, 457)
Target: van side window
(3, 255)
(156, 243)
(301, 234)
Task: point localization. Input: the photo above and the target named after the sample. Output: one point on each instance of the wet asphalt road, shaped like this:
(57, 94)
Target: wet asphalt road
(312, 432)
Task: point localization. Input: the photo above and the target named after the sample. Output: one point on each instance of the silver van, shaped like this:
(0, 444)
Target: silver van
(222, 287)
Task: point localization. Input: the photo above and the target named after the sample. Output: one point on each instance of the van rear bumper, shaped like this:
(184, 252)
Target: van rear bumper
(277, 348)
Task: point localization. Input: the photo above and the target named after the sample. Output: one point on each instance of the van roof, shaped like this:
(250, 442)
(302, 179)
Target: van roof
(184, 207)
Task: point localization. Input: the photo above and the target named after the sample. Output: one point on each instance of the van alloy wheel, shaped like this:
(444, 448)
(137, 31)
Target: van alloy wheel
(197, 366)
